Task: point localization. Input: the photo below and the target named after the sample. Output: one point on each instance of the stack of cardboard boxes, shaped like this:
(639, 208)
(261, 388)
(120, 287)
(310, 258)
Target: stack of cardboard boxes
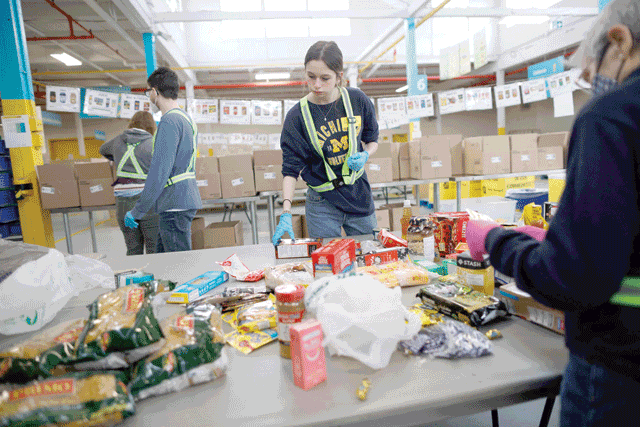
(208, 178)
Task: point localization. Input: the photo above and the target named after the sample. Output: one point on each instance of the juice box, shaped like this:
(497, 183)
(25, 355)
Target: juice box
(307, 354)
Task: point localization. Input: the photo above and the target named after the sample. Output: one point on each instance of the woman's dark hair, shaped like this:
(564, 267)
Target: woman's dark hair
(327, 52)
(165, 81)
(143, 120)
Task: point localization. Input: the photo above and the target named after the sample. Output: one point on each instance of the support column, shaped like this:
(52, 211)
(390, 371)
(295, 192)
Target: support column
(412, 73)
(149, 40)
(501, 110)
(190, 96)
(16, 90)
(352, 76)
(82, 151)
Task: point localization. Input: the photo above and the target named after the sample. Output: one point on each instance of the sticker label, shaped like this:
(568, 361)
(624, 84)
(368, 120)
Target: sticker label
(48, 190)
(551, 156)
(96, 188)
(374, 167)
(135, 297)
(524, 158)
(269, 175)
(238, 181)
(45, 388)
(69, 336)
(496, 160)
(202, 183)
(436, 164)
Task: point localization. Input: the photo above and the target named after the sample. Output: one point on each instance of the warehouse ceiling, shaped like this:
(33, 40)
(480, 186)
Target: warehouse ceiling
(224, 55)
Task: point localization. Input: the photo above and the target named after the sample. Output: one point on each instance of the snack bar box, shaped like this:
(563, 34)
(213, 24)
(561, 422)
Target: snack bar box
(338, 256)
(451, 230)
(382, 256)
(197, 287)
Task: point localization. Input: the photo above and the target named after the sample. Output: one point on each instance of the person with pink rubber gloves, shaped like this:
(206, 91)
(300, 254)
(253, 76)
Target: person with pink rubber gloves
(588, 263)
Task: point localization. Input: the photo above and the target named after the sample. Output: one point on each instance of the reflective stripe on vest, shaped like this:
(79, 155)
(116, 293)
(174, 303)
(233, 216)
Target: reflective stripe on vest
(629, 293)
(129, 154)
(191, 169)
(348, 176)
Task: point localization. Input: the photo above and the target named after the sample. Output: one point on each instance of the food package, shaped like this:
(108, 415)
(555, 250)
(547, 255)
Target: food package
(420, 236)
(253, 317)
(399, 273)
(248, 342)
(239, 271)
(477, 274)
(193, 353)
(461, 302)
(450, 230)
(122, 329)
(390, 240)
(532, 215)
(298, 248)
(338, 256)
(381, 256)
(197, 287)
(76, 399)
(46, 354)
(132, 277)
(296, 273)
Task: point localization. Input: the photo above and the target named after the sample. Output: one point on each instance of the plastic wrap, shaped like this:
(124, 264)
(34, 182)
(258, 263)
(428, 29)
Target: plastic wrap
(399, 273)
(294, 273)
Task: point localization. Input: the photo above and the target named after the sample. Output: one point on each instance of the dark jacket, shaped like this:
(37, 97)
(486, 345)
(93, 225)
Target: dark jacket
(115, 149)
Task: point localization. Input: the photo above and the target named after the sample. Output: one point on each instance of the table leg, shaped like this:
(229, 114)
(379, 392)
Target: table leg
(494, 418)
(436, 197)
(546, 413)
(458, 196)
(254, 221)
(67, 232)
(271, 212)
(416, 190)
(92, 225)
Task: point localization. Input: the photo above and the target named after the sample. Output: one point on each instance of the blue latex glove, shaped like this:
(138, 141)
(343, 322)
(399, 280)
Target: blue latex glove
(284, 226)
(357, 161)
(130, 221)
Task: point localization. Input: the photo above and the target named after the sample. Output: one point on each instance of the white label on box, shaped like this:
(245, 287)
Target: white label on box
(551, 156)
(48, 190)
(524, 158)
(96, 188)
(374, 167)
(293, 251)
(541, 317)
(202, 183)
(429, 247)
(495, 160)
(237, 182)
(269, 175)
(436, 164)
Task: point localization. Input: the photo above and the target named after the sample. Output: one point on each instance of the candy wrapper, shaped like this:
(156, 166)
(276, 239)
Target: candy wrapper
(246, 343)
(253, 317)
(239, 271)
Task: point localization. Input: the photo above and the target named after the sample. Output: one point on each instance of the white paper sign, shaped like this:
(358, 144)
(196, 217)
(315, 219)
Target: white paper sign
(420, 106)
(266, 112)
(444, 64)
(560, 84)
(451, 101)
(131, 104)
(563, 105)
(507, 95)
(464, 55)
(98, 103)
(479, 49)
(205, 110)
(235, 112)
(478, 99)
(17, 131)
(63, 99)
(534, 90)
(392, 111)
(288, 105)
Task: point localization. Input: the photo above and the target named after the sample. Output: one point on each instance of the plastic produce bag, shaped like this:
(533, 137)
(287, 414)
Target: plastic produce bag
(88, 273)
(361, 318)
(35, 285)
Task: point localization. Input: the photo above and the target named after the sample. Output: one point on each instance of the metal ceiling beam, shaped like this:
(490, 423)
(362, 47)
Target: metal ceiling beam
(470, 12)
(75, 54)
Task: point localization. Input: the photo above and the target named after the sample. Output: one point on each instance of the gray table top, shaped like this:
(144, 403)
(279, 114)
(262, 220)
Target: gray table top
(258, 389)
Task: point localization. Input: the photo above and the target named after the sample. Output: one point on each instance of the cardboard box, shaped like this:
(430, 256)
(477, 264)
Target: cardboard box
(307, 354)
(223, 234)
(194, 288)
(237, 184)
(384, 150)
(379, 170)
(390, 240)
(403, 160)
(305, 230)
(209, 186)
(436, 155)
(555, 139)
(524, 152)
(383, 218)
(336, 257)
(267, 157)
(395, 213)
(58, 186)
(299, 248)
(395, 161)
(550, 158)
(496, 156)
(206, 166)
(479, 275)
(415, 163)
(301, 184)
(472, 156)
(197, 233)
(235, 162)
(94, 184)
(268, 177)
(296, 224)
(382, 256)
(523, 305)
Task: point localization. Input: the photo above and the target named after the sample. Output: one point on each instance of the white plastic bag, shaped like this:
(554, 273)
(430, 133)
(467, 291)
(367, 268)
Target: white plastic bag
(88, 273)
(360, 317)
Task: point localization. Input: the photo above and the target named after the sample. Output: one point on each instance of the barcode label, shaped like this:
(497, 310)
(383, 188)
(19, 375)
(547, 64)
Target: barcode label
(496, 160)
(202, 183)
(96, 188)
(551, 156)
(269, 175)
(524, 158)
(374, 167)
(436, 164)
(237, 182)
(48, 190)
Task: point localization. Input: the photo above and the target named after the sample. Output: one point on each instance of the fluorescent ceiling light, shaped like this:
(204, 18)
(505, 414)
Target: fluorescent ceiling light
(272, 76)
(67, 59)
(402, 89)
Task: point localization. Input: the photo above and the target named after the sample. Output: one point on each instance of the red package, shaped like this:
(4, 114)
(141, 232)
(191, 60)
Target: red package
(390, 240)
(451, 228)
(337, 257)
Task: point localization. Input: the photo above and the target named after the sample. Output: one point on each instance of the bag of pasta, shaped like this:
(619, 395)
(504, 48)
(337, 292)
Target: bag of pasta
(76, 399)
(193, 353)
(399, 273)
(122, 329)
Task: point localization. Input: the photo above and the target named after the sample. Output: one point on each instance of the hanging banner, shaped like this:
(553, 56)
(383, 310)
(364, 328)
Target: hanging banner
(444, 64)
(131, 104)
(480, 49)
(451, 101)
(205, 110)
(507, 95)
(266, 112)
(98, 103)
(261, 139)
(235, 112)
(420, 106)
(534, 90)
(288, 105)
(560, 84)
(392, 109)
(478, 99)
(464, 62)
(63, 99)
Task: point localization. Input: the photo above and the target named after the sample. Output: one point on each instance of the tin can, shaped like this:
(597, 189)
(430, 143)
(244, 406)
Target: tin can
(290, 307)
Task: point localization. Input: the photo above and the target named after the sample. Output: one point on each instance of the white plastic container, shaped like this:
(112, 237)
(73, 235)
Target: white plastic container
(493, 206)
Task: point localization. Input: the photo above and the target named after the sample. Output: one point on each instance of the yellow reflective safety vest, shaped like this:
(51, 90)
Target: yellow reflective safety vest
(629, 293)
(190, 173)
(348, 176)
(130, 155)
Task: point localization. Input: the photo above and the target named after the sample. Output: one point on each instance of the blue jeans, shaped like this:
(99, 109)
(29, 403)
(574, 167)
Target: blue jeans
(325, 220)
(593, 396)
(175, 231)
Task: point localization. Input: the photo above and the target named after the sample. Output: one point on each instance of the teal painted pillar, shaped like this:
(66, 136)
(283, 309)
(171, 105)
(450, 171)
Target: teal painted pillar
(15, 57)
(412, 63)
(150, 52)
(602, 4)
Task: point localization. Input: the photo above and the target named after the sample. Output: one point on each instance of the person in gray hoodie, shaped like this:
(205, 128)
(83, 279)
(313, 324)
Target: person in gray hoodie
(131, 152)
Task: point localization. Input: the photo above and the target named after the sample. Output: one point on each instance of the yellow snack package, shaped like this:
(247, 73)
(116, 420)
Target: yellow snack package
(427, 316)
(532, 215)
(246, 343)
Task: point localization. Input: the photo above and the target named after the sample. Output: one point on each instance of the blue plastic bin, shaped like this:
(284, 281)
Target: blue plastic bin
(7, 197)
(6, 180)
(3, 147)
(8, 213)
(5, 230)
(524, 196)
(5, 163)
(15, 229)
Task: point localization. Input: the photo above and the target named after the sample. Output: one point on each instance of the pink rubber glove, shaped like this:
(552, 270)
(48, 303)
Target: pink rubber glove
(476, 235)
(535, 232)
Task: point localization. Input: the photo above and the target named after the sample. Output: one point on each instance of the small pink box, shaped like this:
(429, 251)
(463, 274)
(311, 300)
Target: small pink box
(307, 354)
